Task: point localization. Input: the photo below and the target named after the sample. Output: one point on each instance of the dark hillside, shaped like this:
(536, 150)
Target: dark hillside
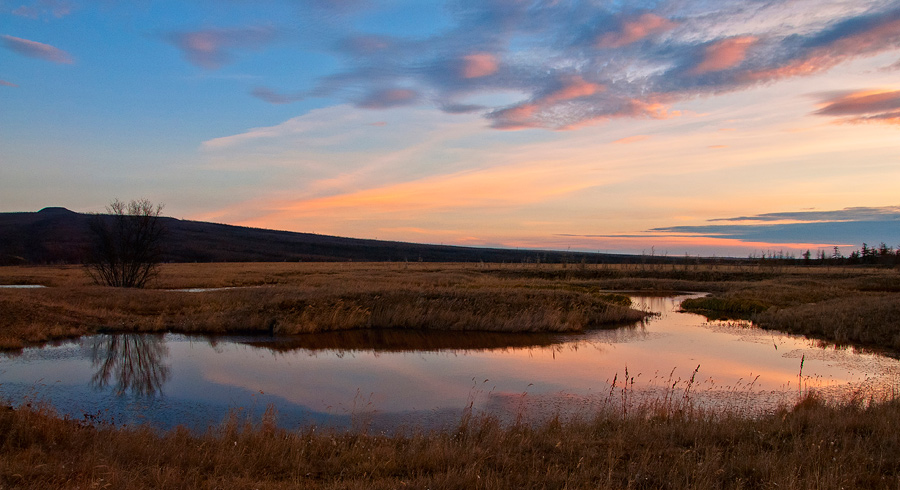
(57, 235)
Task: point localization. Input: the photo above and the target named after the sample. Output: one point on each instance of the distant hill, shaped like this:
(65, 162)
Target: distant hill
(57, 235)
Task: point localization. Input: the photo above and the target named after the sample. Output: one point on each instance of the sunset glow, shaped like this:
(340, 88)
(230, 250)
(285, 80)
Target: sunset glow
(677, 128)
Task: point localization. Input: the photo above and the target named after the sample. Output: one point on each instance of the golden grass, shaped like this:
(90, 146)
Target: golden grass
(291, 298)
(294, 298)
(813, 445)
(867, 319)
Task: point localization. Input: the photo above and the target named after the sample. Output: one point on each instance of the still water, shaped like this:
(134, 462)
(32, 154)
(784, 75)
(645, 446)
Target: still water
(384, 380)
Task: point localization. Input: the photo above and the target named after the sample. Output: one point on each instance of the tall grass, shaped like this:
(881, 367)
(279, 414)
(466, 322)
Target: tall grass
(812, 445)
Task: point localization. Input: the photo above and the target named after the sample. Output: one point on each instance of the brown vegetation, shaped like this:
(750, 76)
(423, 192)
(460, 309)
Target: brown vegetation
(290, 299)
(813, 445)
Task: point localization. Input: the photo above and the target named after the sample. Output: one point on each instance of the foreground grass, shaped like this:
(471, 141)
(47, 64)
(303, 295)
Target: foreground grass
(813, 445)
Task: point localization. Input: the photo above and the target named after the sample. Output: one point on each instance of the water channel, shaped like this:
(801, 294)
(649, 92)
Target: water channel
(388, 379)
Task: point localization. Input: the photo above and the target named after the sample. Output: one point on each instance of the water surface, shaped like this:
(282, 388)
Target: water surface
(386, 379)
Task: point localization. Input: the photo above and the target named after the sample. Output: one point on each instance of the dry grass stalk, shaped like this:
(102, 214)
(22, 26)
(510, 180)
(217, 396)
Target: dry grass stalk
(812, 445)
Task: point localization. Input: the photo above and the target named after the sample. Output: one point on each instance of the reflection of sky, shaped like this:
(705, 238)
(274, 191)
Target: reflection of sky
(306, 385)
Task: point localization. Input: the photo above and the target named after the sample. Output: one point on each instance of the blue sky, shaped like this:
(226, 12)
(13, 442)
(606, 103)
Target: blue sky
(696, 127)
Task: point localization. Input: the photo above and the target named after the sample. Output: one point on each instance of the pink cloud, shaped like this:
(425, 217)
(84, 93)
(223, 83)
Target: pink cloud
(7, 84)
(634, 30)
(211, 48)
(631, 139)
(572, 88)
(650, 108)
(526, 115)
(387, 98)
(724, 54)
(517, 117)
(878, 106)
(478, 65)
(37, 50)
(529, 115)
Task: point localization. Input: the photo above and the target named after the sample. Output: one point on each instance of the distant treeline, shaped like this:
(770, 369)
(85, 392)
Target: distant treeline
(883, 255)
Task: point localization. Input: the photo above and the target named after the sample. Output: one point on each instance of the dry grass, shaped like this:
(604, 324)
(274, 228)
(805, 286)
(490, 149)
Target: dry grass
(290, 299)
(866, 319)
(845, 306)
(813, 445)
(293, 298)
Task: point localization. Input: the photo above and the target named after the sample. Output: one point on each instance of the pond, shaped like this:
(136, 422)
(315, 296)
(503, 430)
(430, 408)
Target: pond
(389, 379)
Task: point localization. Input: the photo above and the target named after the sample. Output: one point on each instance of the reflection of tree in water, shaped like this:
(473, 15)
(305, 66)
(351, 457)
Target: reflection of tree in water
(130, 362)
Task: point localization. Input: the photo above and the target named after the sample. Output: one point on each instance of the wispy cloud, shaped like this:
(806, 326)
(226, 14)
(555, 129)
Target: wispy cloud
(213, 48)
(45, 8)
(877, 106)
(633, 29)
(577, 63)
(34, 49)
(846, 214)
(272, 97)
(631, 139)
(387, 98)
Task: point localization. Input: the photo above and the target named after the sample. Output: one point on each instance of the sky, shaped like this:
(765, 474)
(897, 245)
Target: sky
(671, 127)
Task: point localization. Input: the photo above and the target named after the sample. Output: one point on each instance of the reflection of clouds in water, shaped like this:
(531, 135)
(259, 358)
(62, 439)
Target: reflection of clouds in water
(391, 378)
(130, 363)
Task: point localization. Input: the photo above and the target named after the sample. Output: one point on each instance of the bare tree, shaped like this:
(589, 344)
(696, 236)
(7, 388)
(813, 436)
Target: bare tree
(128, 244)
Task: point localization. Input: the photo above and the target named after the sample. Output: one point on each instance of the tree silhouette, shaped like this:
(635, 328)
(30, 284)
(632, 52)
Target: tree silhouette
(127, 248)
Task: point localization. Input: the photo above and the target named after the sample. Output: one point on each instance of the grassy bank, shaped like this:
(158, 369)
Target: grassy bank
(810, 446)
(847, 305)
(291, 299)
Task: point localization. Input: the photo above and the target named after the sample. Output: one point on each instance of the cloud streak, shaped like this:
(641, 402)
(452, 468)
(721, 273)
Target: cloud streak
(878, 106)
(836, 227)
(268, 95)
(846, 214)
(211, 49)
(34, 49)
